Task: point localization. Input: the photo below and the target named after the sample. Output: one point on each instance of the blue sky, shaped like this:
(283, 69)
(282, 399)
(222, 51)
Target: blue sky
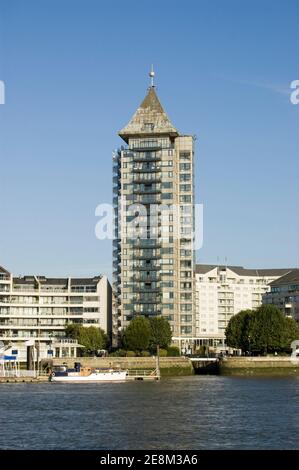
(75, 71)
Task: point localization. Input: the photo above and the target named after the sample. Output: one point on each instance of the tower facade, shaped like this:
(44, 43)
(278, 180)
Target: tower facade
(153, 176)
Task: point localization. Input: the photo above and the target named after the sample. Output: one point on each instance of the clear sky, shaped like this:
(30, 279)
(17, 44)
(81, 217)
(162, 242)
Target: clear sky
(76, 70)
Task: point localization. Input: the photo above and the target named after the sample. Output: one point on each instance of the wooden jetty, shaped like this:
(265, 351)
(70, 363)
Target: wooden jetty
(143, 374)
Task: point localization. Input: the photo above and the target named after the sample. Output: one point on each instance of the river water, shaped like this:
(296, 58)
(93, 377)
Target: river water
(201, 412)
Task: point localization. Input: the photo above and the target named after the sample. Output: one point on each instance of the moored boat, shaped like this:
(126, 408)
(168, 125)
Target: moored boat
(86, 374)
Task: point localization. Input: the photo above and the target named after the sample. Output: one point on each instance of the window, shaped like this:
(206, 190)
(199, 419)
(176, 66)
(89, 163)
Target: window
(185, 166)
(185, 177)
(185, 187)
(185, 198)
(186, 274)
(91, 298)
(167, 284)
(148, 126)
(186, 296)
(185, 253)
(185, 220)
(185, 330)
(186, 307)
(186, 264)
(167, 185)
(186, 209)
(186, 230)
(186, 318)
(185, 156)
(167, 196)
(186, 285)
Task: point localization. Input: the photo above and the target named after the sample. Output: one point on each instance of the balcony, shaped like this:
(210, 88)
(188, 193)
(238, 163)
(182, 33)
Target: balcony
(138, 171)
(146, 289)
(147, 256)
(152, 278)
(154, 190)
(147, 301)
(148, 312)
(140, 157)
(147, 267)
(147, 198)
(147, 243)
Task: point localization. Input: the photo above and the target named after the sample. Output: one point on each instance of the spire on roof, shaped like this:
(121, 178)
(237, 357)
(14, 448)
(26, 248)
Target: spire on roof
(152, 76)
(150, 118)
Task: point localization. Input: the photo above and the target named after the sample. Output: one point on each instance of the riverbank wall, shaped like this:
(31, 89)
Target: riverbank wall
(169, 366)
(258, 366)
(10, 380)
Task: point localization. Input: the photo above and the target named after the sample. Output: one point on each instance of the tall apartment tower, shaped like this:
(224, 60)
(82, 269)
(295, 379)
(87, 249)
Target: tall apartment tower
(154, 260)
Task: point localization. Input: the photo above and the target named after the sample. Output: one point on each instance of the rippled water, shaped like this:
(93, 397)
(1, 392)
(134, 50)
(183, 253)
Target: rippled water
(202, 412)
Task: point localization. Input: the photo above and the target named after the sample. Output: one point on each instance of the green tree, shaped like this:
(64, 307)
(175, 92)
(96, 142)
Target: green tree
(161, 334)
(268, 329)
(137, 335)
(92, 338)
(173, 351)
(291, 332)
(263, 330)
(238, 330)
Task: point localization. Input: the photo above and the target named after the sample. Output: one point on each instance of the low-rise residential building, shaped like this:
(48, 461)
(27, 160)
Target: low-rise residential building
(222, 291)
(285, 294)
(38, 308)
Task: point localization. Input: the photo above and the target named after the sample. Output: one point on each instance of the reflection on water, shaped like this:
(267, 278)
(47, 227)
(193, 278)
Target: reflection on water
(202, 412)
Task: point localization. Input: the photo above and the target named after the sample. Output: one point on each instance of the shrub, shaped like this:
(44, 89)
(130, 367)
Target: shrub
(131, 354)
(145, 354)
(118, 353)
(173, 351)
(163, 352)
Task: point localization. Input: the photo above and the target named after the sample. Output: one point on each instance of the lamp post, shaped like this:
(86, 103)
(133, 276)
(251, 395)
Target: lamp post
(249, 350)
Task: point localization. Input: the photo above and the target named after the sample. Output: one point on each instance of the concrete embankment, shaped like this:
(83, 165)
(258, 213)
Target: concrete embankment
(169, 366)
(258, 366)
(40, 379)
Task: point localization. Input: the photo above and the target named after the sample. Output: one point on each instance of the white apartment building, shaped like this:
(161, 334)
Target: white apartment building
(222, 291)
(284, 294)
(38, 308)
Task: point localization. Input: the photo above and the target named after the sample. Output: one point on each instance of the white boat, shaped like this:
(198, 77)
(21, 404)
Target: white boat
(86, 374)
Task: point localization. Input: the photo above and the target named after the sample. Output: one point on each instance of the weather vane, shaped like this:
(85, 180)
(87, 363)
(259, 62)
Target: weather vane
(152, 76)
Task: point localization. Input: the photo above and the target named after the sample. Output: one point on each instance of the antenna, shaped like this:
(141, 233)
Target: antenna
(152, 76)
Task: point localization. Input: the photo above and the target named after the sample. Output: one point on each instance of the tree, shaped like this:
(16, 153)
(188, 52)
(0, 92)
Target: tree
(161, 334)
(238, 330)
(291, 332)
(137, 335)
(263, 330)
(93, 338)
(268, 329)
